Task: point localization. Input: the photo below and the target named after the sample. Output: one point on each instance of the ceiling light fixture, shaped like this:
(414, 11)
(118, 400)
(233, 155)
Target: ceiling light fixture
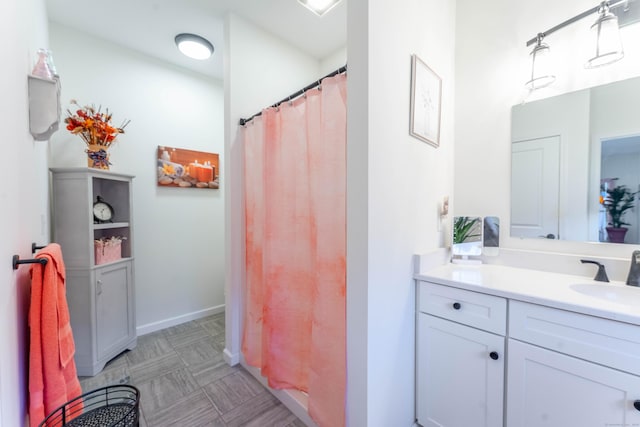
(608, 46)
(194, 46)
(319, 7)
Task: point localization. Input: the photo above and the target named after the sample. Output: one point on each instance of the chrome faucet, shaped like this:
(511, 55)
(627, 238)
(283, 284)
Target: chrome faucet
(633, 279)
(601, 275)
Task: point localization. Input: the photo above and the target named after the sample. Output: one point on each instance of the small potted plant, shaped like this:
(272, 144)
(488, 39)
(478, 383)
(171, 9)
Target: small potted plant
(617, 201)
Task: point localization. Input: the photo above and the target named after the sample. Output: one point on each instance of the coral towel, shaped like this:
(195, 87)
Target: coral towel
(52, 371)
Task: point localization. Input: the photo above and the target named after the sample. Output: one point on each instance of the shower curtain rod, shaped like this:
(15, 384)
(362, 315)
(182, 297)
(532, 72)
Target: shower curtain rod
(298, 93)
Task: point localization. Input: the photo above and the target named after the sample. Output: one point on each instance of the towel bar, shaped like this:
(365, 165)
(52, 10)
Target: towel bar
(17, 261)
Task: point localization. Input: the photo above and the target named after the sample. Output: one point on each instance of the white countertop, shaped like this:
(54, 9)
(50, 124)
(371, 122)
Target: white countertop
(539, 287)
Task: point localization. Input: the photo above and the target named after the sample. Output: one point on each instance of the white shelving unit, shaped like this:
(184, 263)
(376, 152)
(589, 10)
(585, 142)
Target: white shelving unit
(101, 298)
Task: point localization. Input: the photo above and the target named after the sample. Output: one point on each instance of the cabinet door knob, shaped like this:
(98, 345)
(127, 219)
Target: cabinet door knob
(456, 306)
(99, 287)
(636, 404)
(495, 356)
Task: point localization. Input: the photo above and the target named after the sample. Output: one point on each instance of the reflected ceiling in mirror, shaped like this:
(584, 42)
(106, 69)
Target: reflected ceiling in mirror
(565, 150)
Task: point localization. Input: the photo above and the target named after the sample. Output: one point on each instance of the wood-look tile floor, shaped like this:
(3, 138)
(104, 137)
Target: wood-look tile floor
(184, 381)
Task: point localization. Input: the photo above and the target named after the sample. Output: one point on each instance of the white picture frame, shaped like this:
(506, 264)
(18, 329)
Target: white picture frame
(426, 100)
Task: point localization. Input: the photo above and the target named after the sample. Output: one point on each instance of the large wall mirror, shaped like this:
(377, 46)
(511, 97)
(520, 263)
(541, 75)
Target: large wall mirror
(572, 155)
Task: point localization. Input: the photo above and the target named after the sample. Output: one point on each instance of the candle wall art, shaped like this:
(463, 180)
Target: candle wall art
(182, 168)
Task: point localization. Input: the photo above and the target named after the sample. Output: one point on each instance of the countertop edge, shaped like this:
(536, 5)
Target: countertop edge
(583, 305)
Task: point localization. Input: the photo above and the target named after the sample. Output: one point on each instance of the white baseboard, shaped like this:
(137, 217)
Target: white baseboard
(232, 359)
(294, 400)
(173, 321)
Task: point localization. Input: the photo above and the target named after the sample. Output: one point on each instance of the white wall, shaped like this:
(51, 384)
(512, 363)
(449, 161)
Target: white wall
(23, 29)
(178, 233)
(491, 64)
(334, 61)
(395, 185)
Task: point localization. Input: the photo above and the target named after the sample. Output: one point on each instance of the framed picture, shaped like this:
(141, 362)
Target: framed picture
(426, 94)
(181, 168)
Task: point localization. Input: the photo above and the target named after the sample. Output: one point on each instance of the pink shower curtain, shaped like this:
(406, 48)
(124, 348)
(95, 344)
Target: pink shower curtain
(295, 185)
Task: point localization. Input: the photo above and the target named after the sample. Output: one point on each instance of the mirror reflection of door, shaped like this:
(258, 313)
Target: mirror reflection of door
(535, 188)
(582, 119)
(620, 165)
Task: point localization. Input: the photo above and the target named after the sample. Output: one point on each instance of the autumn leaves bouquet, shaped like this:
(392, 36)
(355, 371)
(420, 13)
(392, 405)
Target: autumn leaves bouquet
(95, 128)
(93, 125)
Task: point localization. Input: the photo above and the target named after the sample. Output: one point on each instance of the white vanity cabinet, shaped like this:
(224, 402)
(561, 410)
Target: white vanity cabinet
(570, 369)
(563, 367)
(101, 297)
(460, 357)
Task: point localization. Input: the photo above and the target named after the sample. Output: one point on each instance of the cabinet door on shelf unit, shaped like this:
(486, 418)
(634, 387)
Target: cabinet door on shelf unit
(460, 375)
(546, 388)
(114, 310)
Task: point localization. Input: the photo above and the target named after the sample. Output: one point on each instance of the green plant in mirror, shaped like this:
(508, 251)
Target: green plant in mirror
(618, 200)
(465, 228)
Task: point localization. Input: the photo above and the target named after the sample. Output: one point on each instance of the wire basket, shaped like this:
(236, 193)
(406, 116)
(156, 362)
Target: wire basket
(112, 406)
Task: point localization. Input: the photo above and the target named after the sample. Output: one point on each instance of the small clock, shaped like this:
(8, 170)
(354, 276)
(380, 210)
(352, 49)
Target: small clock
(102, 211)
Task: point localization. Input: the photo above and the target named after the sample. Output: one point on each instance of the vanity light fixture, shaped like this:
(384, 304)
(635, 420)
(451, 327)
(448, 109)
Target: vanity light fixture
(608, 46)
(194, 46)
(606, 35)
(541, 66)
(319, 7)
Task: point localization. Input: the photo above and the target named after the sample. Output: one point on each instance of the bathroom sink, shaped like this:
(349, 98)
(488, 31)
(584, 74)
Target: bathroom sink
(626, 295)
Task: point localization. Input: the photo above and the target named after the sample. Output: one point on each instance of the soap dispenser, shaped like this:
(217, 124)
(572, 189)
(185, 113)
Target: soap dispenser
(633, 279)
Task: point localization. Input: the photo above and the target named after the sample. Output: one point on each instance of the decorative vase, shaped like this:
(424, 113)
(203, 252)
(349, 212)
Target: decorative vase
(616, 235)
(44, 65)
(97, 157)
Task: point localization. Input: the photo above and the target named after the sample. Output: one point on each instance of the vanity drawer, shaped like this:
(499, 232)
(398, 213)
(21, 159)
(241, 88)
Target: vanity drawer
(481, 311)
(599, 340)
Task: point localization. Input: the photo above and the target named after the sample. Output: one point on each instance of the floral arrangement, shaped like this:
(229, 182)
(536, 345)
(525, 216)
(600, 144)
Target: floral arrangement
(93, 125)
